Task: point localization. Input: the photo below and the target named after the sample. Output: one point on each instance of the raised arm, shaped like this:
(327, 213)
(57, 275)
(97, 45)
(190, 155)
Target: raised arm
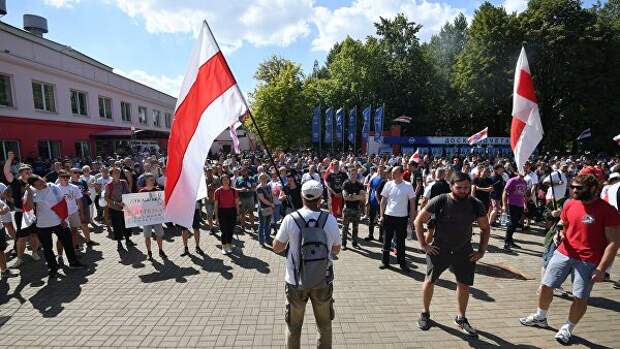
(7, 167)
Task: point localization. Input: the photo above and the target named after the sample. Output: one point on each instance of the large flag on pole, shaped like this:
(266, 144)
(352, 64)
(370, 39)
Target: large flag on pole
(366, 125)
(340, 125)
(352, 125)
(209, 102)
(316, 124)
(480, 136)
(329, 125)
(379, 123)
(526, 130)
(587, 133)
(617, 139)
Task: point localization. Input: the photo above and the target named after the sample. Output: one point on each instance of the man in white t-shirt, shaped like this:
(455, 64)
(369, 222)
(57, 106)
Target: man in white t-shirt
(397, 205)
(310, 175)
(297, 297)
(73, 195)
(46, 196)
(559, 183)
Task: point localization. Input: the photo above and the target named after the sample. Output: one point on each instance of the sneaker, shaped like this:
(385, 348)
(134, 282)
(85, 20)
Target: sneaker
(18, 262)
(149, 255)
(162, 254)
(424, 322)
(563, 336)
(224, 251)
(53, 273)
(35, 256)
(76, 265)
(229, 250)
(356, 245)
(119, 246)
(559, 292)
(533, 321)
(344, 247)
(61, 261)
(200, 251)
(405, 268)
(465, 327)
(185, 252)
(384, 266)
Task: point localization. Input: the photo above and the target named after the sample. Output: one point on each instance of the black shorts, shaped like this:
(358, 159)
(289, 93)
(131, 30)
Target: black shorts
(22, 233)
(3, 244)
(531, 210)
(196, 221)
(458, 262)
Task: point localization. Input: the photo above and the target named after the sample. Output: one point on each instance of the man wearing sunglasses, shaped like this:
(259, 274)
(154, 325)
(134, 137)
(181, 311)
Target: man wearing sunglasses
(589, 242)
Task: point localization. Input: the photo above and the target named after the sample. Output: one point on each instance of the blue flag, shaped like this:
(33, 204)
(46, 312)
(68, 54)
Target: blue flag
(378, 123)
(366, 126)
(329, 125)
(340, 125)
(352, 125)
(316, 125)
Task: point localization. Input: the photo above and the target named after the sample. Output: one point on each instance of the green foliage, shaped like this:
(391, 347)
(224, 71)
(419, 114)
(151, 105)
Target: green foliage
(462, 79)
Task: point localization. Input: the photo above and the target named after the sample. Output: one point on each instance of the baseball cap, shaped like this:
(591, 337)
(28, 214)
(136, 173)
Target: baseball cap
(614, 175)
(596, 171)
(312, 190)
(24, 167)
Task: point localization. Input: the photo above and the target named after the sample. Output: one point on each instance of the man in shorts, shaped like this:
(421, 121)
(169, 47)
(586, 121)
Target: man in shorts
(16, 191)
(213, 182)
(589, 242)
(196, 229)
(246, 185)
(451, 247)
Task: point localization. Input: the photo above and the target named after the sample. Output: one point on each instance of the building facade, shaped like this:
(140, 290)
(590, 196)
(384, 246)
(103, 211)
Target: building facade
(57, 102)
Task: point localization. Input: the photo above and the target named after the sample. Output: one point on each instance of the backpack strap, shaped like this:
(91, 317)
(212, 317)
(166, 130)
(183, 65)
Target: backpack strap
(322, 219)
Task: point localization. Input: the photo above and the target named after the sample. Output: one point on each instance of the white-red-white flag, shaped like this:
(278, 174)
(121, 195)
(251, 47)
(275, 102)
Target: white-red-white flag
(209, 102)
(617, 139)
(415, 156)
(480, 136)
(526, 130)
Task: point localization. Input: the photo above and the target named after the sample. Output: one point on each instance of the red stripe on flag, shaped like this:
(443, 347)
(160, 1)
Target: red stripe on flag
(213, 79)
(515, 131)
(526, 86)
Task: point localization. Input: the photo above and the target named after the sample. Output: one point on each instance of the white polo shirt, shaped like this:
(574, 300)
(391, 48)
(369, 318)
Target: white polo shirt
(397, 196)
(45, 199)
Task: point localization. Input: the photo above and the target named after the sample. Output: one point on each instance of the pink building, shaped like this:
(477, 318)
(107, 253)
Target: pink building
(56, 101)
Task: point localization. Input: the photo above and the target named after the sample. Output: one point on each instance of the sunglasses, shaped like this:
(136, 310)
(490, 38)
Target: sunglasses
(578, 187)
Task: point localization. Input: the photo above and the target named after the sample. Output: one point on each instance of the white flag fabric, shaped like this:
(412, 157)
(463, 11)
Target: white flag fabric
(480, 136)
(617, 139)
(209, 102)
(526, 130)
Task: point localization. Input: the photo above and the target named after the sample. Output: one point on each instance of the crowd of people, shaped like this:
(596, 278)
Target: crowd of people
(434, 200)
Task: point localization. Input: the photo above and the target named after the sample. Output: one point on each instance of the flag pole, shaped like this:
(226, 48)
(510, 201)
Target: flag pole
(249, 113)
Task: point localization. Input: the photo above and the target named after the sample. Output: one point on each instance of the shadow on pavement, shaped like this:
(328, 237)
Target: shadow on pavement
(168, 271)
(217, 265)
(495, 341)
(248, 262)
(66, 288)
(604, 303)
(132, 256)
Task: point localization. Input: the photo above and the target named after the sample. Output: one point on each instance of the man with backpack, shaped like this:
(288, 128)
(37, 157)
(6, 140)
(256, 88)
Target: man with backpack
(451, 246)
(312, 237)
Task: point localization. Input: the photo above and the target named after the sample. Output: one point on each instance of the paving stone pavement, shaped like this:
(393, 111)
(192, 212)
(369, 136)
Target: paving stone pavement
(238, 301)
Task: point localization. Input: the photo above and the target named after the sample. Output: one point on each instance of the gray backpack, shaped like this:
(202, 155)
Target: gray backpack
(314, 269)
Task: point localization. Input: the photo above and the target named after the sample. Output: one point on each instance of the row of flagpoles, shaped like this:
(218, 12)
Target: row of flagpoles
(351, 135)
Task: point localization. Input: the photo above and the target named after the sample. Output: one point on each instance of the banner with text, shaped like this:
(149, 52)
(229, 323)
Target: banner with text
(143, 208)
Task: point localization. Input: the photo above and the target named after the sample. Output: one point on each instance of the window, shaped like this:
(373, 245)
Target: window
(6, 93)
(142, 116)
(6, 147)
(126, 111)
(78, 102)
(82, 149)
(168, 120)
(49, 149)
(156, 118)
(43, 96)
(105, 107)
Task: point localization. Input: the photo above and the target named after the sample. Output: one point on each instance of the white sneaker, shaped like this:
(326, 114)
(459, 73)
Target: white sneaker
(35, 256)
(224, 251)
(18, 262)
(534, 321)
(563, 336)
(229, 250)
(559, 292)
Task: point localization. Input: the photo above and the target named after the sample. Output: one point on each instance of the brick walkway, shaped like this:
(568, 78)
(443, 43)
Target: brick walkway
(238, 301)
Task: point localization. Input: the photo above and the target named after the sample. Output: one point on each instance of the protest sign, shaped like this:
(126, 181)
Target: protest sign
(143, 208)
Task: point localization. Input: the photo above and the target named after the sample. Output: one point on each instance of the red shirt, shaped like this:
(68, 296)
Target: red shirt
(585, 229)
(226, 198)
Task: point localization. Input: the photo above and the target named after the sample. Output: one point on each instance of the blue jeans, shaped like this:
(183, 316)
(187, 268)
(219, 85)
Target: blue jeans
(264, 226)
(276, 216)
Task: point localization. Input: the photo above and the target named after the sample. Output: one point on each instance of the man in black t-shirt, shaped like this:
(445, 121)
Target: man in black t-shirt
(482, 187)
(354, 195)
(451, 246)
(334, 183)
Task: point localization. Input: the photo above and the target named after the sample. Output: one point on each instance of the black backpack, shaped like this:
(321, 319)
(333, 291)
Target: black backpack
(314, 269)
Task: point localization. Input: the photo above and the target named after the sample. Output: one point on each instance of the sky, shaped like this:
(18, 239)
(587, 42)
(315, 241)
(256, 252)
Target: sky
(150, 41)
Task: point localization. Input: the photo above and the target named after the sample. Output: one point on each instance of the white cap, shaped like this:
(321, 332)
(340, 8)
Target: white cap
(312, 190)
(614, 175)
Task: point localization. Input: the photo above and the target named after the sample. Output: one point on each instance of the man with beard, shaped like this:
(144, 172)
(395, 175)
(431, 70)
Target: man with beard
(451, 247)
(589, 243)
